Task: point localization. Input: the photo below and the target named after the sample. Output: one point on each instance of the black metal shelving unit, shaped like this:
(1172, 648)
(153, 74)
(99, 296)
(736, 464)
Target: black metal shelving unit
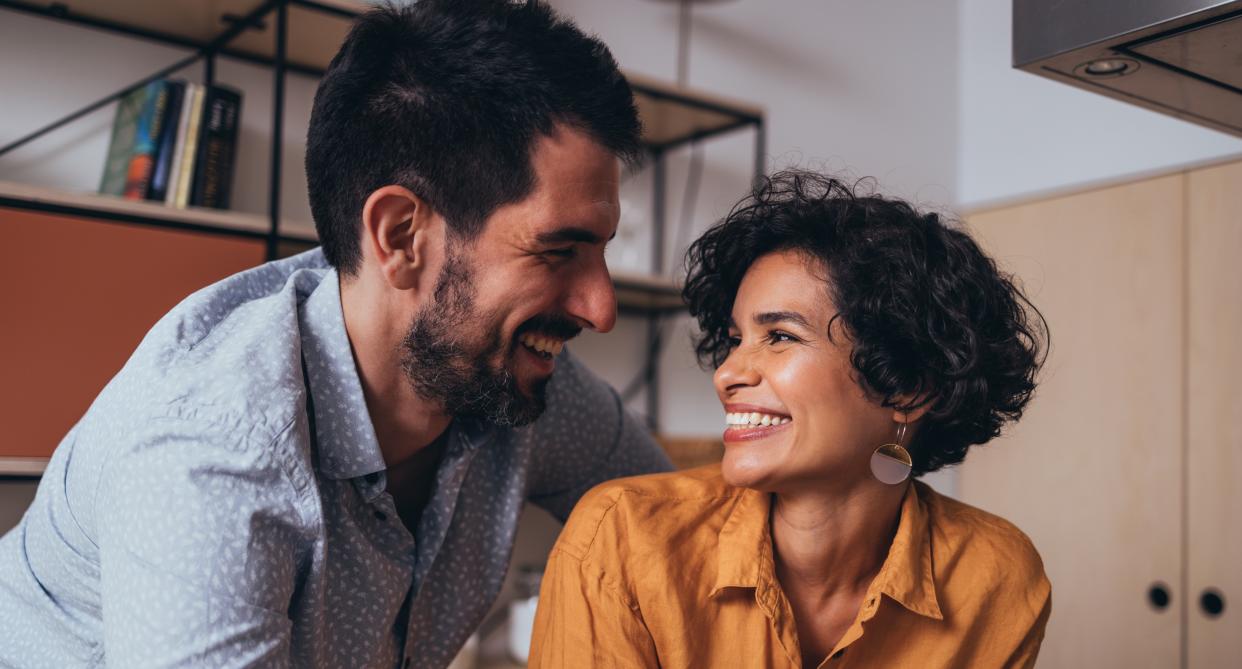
(674, 118)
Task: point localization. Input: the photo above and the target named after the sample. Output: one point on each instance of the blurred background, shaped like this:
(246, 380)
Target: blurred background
(1094, 150)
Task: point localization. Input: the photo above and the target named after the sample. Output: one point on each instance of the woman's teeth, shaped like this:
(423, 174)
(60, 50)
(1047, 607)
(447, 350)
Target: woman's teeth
(546, 345)
(734, 419)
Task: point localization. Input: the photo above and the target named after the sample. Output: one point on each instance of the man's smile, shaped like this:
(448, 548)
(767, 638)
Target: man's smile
(542, 345)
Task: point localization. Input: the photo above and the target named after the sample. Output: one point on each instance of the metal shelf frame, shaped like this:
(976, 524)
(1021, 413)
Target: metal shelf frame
(659, 302)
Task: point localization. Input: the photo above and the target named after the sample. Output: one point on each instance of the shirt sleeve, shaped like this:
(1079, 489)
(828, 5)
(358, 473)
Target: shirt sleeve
(585, 621)
(198, 539)
(584, 438)
(1028, 649)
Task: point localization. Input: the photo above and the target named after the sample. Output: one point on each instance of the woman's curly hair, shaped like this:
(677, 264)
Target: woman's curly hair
(928, 314)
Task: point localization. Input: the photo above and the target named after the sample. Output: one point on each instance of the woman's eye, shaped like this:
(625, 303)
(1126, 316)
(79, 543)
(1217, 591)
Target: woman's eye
(778, 337)
(734, 341)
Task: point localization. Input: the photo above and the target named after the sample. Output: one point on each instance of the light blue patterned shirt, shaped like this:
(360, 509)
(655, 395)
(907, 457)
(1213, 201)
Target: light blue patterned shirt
(197, 516)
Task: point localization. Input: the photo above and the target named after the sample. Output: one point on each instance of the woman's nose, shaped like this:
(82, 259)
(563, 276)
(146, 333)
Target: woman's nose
(737, 371)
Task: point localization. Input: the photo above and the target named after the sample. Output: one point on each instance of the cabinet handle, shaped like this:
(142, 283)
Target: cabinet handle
(1158, 596)
(1212, 602)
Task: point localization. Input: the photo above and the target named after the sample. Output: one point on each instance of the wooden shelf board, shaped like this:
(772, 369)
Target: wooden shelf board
(228, 220)
(646, 292)
(667, 119)
(13, 466)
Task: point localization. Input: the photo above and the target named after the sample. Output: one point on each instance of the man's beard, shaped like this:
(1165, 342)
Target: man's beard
(471, 380)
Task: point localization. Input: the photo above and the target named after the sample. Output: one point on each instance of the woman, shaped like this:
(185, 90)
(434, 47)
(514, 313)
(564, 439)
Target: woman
(857, 343)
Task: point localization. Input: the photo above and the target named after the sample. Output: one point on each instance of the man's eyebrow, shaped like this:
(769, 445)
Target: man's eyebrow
(570, 234)
(770, 317)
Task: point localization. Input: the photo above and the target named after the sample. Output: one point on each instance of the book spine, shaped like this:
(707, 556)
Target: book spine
(228, 159)
(166, 145)
(213, 165)
(186, 176)
(142, 161)
(183, 127)
(121, 145)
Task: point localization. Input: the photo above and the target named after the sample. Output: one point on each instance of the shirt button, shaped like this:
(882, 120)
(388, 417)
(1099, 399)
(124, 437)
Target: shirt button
(380, 515)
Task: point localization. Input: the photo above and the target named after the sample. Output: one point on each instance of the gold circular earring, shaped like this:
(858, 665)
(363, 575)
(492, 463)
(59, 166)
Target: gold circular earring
(891, 463)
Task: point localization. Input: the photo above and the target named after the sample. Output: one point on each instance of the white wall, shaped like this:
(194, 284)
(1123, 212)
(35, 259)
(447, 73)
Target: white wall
(838, 79)
(1021, 135)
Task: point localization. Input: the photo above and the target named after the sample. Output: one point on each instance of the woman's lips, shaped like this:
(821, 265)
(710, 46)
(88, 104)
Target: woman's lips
(752, 432)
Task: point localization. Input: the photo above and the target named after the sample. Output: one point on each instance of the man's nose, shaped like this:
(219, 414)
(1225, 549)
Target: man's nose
(593, 300)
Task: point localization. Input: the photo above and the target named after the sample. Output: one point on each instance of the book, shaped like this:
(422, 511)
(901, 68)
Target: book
(185, 171)
(213, 165)
(175, 171)
(142, 158)
(166, 144)
(121, 145)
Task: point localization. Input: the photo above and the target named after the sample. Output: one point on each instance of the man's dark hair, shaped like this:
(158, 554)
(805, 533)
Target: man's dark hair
(927, 313)
(446, 98)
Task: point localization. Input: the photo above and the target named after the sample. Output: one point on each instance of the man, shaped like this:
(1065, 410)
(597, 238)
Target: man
(320, 462)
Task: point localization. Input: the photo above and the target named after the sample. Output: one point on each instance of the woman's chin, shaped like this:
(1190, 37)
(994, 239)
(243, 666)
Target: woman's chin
(744, 470)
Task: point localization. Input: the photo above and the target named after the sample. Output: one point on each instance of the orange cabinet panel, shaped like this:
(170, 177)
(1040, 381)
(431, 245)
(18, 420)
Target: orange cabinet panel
(77, 295)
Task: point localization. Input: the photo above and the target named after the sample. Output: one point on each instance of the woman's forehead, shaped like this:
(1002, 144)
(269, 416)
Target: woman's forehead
(783, 281)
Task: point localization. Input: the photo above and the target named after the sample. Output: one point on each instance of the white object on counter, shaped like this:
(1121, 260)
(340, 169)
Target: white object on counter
(521, 625)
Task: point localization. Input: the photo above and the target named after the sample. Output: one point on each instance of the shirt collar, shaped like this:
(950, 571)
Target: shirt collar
(907, 576)
(743, 543)
(345, 438)
(745, 552)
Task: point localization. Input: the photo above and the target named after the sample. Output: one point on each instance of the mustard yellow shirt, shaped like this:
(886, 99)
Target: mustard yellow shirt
(676, 570)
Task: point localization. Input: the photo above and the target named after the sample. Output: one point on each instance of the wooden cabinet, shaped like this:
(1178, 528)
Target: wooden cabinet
(1214, 415)
(78, 295)
(1092, 471)
(1124, 470)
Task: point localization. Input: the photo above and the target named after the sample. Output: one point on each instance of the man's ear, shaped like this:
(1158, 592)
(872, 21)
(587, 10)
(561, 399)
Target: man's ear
(402, 232)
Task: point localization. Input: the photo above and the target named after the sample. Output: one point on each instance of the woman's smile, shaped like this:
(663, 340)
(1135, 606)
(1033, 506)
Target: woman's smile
(745, 422)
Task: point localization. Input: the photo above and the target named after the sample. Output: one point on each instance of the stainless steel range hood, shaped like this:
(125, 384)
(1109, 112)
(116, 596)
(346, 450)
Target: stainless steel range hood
(1179, 57)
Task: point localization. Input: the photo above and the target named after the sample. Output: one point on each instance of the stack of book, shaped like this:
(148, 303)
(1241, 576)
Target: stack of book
(174, 142)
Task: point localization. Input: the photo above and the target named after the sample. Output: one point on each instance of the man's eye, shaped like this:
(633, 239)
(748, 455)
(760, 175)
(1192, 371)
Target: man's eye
(567, 252)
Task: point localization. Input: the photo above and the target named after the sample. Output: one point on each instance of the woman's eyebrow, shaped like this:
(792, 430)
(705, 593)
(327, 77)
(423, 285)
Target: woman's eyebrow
(770, 317)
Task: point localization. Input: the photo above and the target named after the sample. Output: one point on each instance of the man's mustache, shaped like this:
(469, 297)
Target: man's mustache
(551, 325)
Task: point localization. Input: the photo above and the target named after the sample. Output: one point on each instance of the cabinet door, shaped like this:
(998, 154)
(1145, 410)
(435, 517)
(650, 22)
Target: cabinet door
(1214, 409)
(78, 295)
(1093, 470)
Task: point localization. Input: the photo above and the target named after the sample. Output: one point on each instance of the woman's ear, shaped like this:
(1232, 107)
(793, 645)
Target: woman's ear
(922, 404)
(400, 229)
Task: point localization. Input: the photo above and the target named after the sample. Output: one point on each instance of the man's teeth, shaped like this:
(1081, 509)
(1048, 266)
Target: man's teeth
(542, 344)
(755, 419)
